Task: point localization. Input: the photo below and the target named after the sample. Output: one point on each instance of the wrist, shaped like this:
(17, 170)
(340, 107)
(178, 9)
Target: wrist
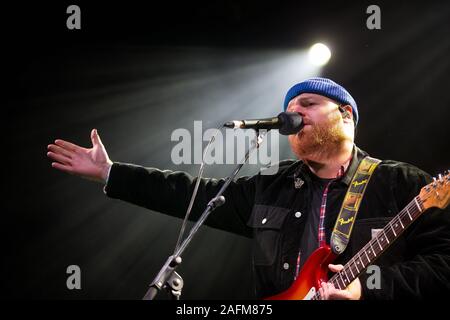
(105, 171)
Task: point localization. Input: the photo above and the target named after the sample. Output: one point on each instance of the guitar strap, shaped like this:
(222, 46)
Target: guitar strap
(350, 206)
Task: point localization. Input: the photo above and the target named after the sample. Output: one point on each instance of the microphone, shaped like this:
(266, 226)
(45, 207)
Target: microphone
(286, 122)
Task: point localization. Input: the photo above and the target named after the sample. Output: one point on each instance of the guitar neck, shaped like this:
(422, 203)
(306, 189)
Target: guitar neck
(375, 247)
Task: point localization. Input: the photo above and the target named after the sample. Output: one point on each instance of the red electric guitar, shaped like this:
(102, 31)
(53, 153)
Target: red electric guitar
(315, 269)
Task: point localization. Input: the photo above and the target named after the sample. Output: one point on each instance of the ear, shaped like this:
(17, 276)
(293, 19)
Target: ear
(347, 112)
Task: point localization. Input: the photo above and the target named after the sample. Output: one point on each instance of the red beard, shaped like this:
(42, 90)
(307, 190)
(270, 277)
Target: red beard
(318, 139)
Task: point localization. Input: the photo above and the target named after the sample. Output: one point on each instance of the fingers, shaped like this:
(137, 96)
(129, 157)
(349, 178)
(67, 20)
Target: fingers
(335, 267)
(322, 292)
(95, 138)
(62, 167)
(56, 149)
(327, 291)
(59, 157)
(68, 145)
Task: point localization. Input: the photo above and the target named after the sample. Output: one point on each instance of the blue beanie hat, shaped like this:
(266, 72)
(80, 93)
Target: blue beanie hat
(325, 87)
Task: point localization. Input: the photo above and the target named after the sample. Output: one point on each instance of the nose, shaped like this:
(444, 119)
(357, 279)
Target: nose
(299, 109)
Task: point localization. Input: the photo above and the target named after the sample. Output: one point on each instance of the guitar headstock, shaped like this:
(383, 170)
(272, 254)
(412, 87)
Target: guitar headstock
(436, 193)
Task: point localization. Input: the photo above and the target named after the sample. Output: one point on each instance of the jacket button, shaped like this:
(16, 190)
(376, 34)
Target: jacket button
(264, 221)
(286, 266)
(298, 214)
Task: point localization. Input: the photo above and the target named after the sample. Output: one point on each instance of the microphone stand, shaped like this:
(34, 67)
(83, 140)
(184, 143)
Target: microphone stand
(167, 277)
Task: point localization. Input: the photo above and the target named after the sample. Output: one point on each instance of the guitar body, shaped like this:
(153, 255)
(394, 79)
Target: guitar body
(314, 271)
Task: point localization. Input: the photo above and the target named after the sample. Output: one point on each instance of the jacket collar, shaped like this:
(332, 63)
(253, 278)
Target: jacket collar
(357, 156)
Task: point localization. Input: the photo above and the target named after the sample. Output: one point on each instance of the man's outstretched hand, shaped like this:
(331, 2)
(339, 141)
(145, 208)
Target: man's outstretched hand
(92, 164)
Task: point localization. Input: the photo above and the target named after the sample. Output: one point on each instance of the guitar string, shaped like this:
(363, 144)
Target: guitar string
(334, 280)
(352, 262)
(416, 205)
(387, 230)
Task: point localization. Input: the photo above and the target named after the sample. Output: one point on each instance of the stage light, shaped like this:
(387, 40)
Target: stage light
(319, 54)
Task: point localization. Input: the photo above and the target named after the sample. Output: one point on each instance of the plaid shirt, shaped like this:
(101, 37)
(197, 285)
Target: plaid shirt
(321, 233)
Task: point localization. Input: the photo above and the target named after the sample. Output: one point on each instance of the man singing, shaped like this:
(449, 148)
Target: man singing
(293, 212)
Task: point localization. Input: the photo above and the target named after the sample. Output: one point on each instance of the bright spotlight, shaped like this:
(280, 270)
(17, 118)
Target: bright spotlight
(319, 54)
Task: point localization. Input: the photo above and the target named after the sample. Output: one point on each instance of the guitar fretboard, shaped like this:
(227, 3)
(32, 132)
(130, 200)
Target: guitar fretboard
(375, 247)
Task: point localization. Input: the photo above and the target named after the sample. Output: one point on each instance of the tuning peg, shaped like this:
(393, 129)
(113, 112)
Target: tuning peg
(440, 178)
(434, 182)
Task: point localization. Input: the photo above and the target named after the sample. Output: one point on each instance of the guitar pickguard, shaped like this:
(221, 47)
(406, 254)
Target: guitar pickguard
(310, 294)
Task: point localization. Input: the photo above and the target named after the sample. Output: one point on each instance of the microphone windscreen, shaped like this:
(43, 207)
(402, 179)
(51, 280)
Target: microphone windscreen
(291, 122)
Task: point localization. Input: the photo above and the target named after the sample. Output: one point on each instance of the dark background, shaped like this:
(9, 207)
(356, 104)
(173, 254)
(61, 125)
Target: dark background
(136, 72)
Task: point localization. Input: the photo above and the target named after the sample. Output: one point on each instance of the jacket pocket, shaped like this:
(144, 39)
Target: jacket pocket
(365, 228)
(266, 222)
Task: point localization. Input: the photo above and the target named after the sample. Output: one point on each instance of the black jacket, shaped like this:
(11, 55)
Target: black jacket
(416, 266)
